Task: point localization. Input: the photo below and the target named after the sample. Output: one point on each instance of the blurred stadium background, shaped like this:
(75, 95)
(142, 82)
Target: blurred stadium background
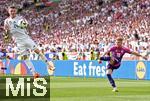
(81, 26)
(82, 30)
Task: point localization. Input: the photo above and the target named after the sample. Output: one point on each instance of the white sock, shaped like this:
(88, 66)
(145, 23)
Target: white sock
(45, 59)
(30, 66)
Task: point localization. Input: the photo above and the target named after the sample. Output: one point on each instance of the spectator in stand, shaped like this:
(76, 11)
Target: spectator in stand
(79, 23)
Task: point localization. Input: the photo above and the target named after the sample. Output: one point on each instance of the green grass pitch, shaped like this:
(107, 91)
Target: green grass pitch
(96, 89)
(91, 89)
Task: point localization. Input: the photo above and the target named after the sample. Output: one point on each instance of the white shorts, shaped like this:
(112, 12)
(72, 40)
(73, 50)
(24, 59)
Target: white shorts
(25, 45)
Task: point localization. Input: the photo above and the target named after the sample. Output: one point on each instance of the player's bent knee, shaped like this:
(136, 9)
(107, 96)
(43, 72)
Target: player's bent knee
(108, 71)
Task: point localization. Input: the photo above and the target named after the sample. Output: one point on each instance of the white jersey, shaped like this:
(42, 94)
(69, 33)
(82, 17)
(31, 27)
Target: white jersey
(17, 33)
(24, 42)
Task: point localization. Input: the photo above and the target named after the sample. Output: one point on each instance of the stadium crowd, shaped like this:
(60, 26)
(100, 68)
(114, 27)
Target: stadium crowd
(85, 25)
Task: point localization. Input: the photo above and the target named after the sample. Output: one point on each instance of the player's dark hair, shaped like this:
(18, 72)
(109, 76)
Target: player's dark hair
(13, 7)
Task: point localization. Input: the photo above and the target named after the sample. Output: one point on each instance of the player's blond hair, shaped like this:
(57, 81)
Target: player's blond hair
(119, 39)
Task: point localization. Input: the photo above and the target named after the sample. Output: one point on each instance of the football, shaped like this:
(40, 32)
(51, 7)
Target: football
(22, 23)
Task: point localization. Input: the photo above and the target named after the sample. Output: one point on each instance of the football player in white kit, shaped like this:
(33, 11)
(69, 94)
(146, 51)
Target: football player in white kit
(22, 39)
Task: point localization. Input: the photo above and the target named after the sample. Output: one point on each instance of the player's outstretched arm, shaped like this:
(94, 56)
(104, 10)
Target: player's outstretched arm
(139, 55)
(29, 30)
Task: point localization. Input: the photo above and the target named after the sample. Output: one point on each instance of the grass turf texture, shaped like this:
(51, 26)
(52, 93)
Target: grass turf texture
(95, 89)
